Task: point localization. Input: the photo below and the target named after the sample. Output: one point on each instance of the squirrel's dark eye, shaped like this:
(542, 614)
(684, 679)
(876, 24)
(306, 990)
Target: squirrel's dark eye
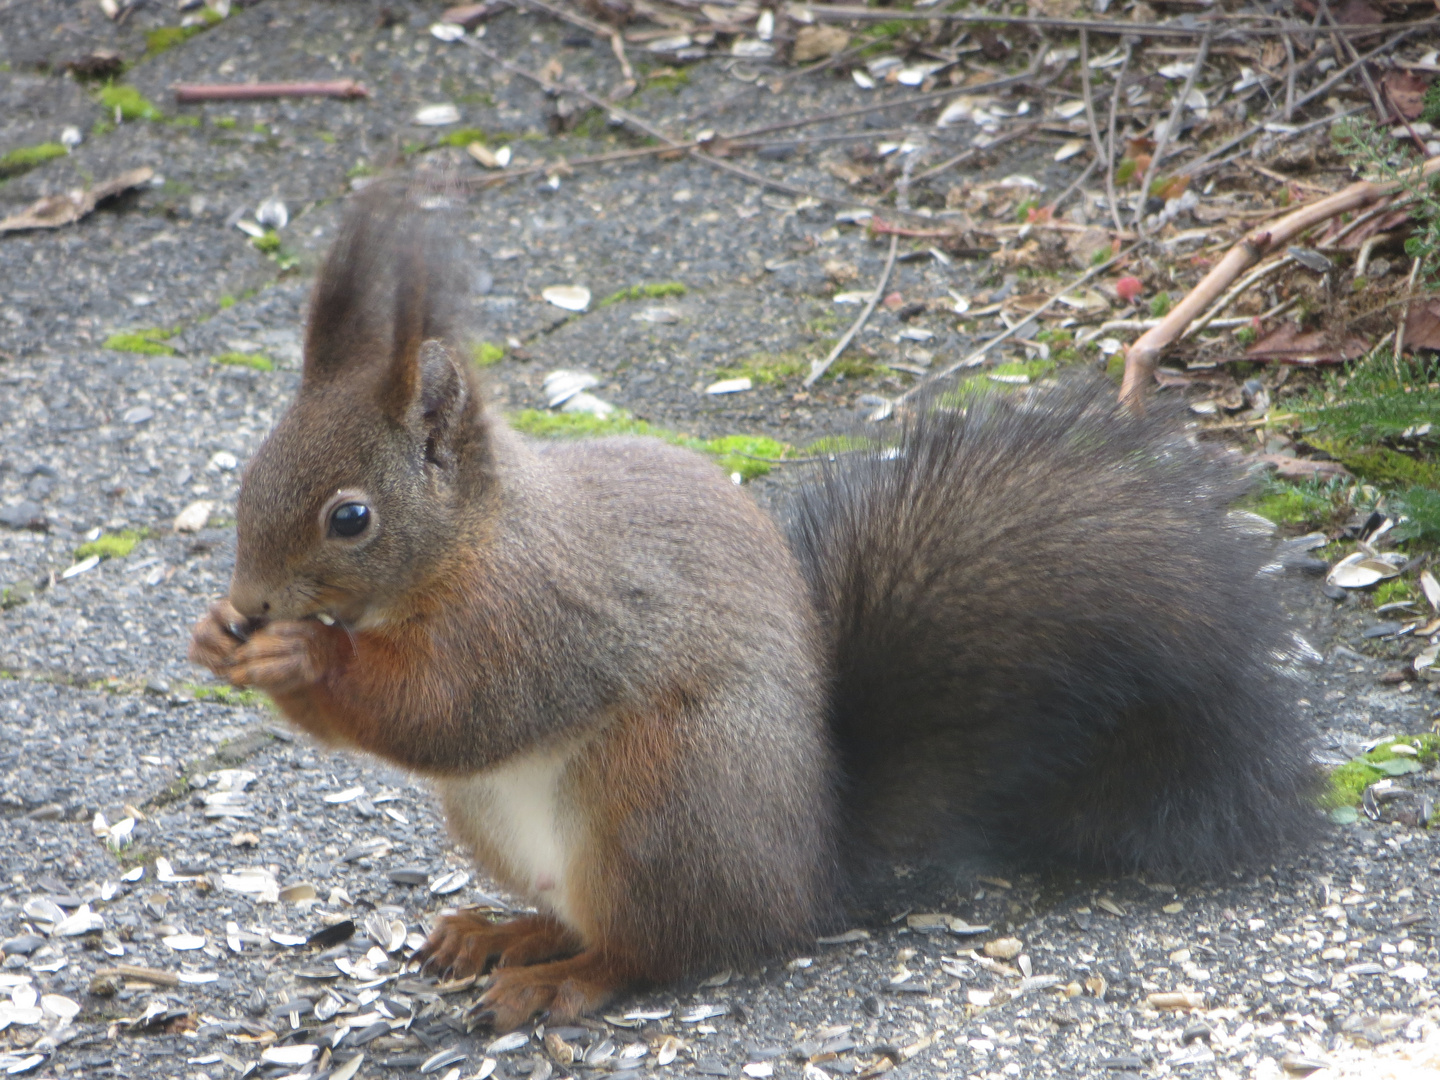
(349, 519)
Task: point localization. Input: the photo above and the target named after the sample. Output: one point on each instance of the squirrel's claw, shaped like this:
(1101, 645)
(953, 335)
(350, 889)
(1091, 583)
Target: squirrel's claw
(561, 990)
(216, 638)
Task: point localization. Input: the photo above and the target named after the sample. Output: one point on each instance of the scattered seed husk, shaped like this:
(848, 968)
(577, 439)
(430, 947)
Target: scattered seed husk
(697, 1013)
(350, 794)
(450, 882)
(569, 297)
(669, 1048)
(332, 935)
(1178, 999)
(1362, 569)
(1431, 588)
(560, 386)
(437, 1061)
(491, 159)
(729, 386)
(507, 1043)
(1006, 948)
(298, 1054)
(194, 517)
(437, 115)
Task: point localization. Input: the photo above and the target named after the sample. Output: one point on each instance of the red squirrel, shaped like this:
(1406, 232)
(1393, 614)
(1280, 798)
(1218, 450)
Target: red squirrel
(1017, 628)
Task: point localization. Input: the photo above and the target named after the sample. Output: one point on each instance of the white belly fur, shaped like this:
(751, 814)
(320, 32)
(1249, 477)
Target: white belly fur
(517, 811)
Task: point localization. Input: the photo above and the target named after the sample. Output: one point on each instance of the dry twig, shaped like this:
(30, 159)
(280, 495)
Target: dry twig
(1110, 142)
(1162, 139)
(1223, 26)
(1100, 154)
(1404, 316)
(1144, 354)
(188, 93)
(979, 354)
(819, 367)
(1193, 167)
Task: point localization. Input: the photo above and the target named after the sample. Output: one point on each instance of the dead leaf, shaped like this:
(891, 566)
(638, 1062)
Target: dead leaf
(1374, 227)
(1171, 187)
(1290, 345)
(1406, 91)
(54, 211)
(1357, 13)
(1289, 467)
(817, 42)
(1084, 245)
(1422, 325)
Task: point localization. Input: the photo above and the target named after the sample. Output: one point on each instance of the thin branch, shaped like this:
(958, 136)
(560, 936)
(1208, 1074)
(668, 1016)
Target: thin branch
(1221, 26)
(974, 151)
(694, 149)
(819, 367)
(979, 354)
(187, 93)
(1100, 154)
(1344, 44)
(1056, 203)
(1110, 144)
(1289, 78)
(1249, 281)
(1404, 318)
(1191, 168)
(1172, 125)
(1144, 354)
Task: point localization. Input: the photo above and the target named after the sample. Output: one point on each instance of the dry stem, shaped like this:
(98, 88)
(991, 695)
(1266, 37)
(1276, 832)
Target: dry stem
(1144, 354)
(819, 367)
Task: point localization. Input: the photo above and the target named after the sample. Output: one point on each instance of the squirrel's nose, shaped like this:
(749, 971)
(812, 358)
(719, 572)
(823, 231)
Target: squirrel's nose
(250, 602)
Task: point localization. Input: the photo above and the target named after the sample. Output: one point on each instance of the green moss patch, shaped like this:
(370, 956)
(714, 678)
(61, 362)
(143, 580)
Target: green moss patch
(1301, 505)
(147, 342)
(645, 292)
(226, 695)
(462, 138)
(1349, 781)
(748, 455)
(487, 353)
(770, 369)
(24, 158)
(257, 361)
(110, 546)
(131, 104)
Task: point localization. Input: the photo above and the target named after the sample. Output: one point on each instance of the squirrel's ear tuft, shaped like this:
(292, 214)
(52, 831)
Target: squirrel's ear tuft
(393, 278)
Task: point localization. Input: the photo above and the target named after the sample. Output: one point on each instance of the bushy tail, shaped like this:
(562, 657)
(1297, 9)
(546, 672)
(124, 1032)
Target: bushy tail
(1050, 643)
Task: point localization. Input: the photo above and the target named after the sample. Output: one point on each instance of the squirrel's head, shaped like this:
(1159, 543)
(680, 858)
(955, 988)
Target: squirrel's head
(356, 498)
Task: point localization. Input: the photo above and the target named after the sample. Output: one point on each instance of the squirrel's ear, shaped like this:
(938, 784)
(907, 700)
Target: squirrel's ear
(439, 396)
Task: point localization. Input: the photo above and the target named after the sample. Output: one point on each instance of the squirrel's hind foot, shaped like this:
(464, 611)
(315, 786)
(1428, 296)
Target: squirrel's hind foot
(562, 990)
(467, 943)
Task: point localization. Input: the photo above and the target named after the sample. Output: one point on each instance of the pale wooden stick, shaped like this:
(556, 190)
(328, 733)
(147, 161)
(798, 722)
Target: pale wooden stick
(185, 93)
(819, 367)
(1144, 355)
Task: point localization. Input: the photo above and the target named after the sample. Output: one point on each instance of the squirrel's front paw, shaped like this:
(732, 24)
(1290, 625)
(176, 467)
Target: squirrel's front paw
(280, 657)
(217, 637)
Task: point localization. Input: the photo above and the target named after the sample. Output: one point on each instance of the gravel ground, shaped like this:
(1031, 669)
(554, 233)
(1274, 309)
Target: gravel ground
(261, 879)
